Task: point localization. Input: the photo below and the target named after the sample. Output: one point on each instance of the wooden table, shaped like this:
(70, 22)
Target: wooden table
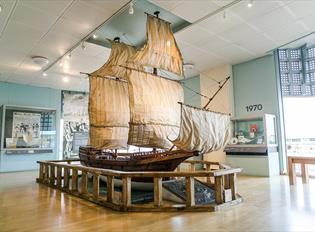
(303, 160)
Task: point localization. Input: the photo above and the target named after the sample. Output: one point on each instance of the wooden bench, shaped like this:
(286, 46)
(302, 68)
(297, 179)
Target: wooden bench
(304, 161)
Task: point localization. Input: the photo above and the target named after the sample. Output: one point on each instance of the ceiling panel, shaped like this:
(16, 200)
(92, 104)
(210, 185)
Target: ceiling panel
(309, 21)
(200, 9)
(287, 33)
(259, 8)
(240, 33)
(20, 37)
(215, 44)
(48, 6)
(194, 35)
(33, 17)
(302, 8)
(217, 23)
(7, 7)
(234, 53)
(275, 19)
(167, 5)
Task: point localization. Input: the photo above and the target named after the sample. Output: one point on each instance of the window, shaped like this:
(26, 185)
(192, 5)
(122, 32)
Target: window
(297, 71)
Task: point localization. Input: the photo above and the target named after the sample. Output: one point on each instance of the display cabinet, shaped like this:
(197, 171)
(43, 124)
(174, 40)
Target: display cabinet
(27, 130)
(254, 145)
(253, 135)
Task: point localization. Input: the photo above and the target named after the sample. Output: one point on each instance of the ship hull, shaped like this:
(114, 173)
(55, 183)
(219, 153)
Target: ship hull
(141, 161)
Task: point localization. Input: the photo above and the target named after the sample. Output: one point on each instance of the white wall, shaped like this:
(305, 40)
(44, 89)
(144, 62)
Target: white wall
(223, 102)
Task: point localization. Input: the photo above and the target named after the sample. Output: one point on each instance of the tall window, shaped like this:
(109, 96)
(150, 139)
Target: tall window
(297, 77)
(297, 71)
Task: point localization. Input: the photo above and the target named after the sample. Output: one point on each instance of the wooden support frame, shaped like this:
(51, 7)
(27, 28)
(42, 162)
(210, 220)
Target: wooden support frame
(158, 192)
(74, 180)
(63, 175)
(190, 191)
(84, 187)
(110, 189)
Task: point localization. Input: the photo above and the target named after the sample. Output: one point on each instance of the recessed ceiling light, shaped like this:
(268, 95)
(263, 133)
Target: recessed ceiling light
(60, 64)
(94, 36)
(45, 74)
(65, 79)
(250, 4)
(40, 60)
(168, 43)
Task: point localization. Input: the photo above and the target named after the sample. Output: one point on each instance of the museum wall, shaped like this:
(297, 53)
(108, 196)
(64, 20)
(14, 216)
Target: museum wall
(223, 102)
(255, 82)
(190, 97)
(25, 95)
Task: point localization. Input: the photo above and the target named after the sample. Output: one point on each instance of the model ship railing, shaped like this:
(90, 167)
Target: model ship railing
(65, 174)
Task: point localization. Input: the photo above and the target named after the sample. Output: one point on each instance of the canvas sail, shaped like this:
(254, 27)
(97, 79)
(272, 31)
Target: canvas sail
(109, 102)
(155, 113)
(161, 50)
(202, 130)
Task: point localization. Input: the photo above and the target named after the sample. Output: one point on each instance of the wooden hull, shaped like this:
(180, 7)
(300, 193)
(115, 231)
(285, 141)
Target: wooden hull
(141, 161)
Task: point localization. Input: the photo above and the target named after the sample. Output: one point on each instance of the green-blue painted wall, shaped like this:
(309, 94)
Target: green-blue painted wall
(190, 97)
(255, 82)
(24, 95)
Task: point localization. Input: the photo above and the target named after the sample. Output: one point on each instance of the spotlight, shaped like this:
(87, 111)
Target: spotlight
(94, 36)
(65, 79)
(83, 46)
(168, 43)
(250, 4)
(60, 64)
(45, 74)
(131, 10)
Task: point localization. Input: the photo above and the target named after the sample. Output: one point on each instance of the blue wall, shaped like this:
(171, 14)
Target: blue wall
(190, 97)
(24, 95)
(255, 82)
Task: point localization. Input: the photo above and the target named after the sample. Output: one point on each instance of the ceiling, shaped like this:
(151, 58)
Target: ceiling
(132, 29)
(50, 28)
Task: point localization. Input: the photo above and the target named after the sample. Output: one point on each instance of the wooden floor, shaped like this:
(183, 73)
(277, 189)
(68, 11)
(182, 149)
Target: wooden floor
(270, 205)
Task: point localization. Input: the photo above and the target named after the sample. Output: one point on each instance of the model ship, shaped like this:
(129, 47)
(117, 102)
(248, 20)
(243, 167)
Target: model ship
(131, 105)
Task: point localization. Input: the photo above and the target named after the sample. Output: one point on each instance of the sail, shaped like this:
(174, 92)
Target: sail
(109, 102)
(161, 50)
(114, 67)
(202, 130)
(155, 113)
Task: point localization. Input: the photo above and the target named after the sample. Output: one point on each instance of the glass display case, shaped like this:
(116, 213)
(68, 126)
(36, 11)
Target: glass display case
(253, 135)
(27, 130)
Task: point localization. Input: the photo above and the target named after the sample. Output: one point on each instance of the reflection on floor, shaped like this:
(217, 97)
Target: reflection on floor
(270, 205)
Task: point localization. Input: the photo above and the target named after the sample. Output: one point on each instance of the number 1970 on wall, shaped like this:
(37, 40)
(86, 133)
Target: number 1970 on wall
(255, 107)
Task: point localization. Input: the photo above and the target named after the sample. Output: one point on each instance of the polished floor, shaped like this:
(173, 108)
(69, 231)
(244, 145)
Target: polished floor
(270, 205)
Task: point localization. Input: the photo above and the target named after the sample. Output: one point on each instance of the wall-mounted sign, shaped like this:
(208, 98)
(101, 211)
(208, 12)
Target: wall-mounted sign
(255, 107)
